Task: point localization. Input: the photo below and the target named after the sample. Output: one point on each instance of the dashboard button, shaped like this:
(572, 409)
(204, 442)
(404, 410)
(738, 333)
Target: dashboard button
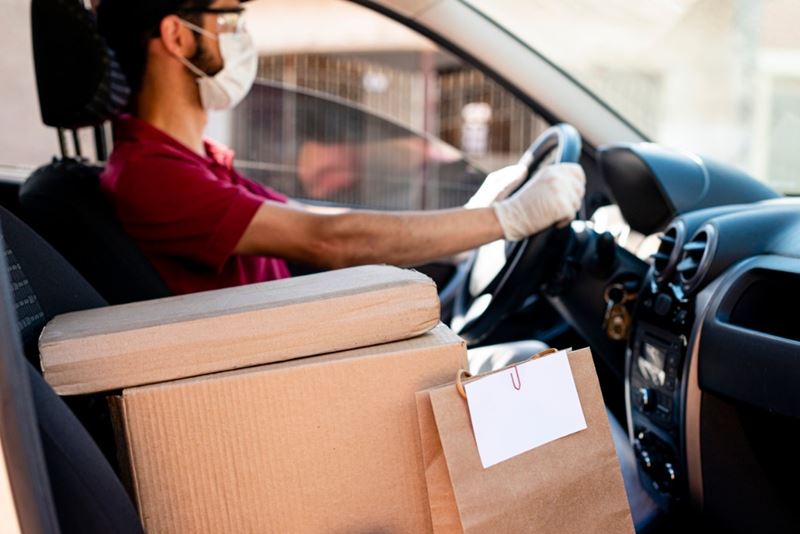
(663, 304)
(669, 472)
(647, 461)
(669, 477)
(645, 399)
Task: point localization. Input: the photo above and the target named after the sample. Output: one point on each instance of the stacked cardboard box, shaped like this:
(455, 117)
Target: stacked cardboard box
(281, 407)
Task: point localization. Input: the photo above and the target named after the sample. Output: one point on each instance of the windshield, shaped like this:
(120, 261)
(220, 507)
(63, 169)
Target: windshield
(718, 77)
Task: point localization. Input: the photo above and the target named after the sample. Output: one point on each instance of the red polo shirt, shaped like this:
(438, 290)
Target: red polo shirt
(186, 212)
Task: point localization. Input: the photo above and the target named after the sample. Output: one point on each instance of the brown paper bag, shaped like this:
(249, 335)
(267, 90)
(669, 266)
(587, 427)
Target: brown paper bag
(572, 484)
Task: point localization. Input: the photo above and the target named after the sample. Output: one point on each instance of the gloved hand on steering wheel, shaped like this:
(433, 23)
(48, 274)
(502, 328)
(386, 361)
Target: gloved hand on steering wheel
(497, 186)
(552, 196)
(494, 280)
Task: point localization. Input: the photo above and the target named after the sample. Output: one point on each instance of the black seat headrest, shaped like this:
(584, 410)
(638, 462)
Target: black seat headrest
(79, 81)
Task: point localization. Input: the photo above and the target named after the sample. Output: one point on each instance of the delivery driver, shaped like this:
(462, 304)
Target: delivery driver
(204, 226)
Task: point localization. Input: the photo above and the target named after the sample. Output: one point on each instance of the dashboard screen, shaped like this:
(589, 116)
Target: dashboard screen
(651, 363)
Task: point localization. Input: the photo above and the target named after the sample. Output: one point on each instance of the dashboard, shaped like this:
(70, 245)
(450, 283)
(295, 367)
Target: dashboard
(712, 360)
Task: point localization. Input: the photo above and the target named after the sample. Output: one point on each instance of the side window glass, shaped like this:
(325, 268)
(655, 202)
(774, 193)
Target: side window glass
(366, 112)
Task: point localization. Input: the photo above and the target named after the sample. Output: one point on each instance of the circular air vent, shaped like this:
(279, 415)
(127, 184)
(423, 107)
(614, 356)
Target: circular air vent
(696, 256)
(665, 259)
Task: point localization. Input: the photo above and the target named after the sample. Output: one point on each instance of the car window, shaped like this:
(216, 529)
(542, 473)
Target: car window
(720, 78)
(366, 112)
(363, 112)
(24, 141)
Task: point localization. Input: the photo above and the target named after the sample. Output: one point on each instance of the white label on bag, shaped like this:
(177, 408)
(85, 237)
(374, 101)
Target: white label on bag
(523, 407)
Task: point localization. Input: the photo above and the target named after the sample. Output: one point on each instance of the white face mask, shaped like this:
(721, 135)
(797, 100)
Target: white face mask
(240, 64)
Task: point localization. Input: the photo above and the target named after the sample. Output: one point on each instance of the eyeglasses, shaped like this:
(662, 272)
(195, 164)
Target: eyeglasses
(228, 19)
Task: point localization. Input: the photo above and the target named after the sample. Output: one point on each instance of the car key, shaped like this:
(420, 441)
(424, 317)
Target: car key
(617, 319)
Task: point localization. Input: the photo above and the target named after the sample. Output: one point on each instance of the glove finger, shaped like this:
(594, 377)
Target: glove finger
(573, 201)
(575, 170)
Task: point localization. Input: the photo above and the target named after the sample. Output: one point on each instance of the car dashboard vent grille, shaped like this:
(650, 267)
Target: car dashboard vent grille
(695, 259)
(668, 252)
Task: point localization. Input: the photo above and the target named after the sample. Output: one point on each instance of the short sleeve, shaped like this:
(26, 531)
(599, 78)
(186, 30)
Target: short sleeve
(262, 190)
(178, 207)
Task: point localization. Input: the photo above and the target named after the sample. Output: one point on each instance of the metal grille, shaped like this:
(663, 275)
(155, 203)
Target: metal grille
(379, 131)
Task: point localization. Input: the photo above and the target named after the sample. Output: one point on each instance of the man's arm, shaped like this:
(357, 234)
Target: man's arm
(358, 237)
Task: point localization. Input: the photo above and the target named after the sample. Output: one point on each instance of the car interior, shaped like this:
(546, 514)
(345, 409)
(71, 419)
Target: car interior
(694, 346)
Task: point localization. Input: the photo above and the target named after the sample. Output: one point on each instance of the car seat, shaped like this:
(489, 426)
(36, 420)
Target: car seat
(44, 285)
(72, 486)
(81, 85)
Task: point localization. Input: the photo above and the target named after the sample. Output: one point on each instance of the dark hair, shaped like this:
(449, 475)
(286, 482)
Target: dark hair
(129, 25)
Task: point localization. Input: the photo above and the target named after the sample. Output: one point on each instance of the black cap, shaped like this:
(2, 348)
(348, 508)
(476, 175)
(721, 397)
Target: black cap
(138, 16)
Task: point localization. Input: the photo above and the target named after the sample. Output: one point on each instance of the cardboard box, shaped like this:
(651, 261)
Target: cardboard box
(155, 341)
(322, 444)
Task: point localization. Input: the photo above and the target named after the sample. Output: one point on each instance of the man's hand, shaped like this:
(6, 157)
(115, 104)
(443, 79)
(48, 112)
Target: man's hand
(553, 195)
(497, 186)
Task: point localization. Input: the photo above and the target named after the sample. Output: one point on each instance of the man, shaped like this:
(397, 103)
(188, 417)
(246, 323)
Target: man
(204, 226)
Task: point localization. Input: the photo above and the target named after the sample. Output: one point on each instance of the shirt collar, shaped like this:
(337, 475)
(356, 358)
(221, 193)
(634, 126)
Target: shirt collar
(133, 129)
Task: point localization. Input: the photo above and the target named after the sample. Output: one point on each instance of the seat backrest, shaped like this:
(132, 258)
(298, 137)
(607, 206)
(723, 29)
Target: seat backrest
(35, 284)
(62, 202)
(80, 84)
(44, 285)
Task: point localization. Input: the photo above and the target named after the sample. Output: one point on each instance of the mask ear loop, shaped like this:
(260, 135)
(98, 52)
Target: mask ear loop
(202, 31)
(198, 29)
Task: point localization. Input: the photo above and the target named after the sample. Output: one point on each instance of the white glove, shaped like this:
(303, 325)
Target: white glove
(552, 196)
(497, 186)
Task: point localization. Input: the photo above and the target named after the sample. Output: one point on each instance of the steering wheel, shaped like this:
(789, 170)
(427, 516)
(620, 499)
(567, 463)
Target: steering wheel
(496, 278)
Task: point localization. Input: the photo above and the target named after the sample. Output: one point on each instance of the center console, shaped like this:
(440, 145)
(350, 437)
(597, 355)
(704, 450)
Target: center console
(656, 354)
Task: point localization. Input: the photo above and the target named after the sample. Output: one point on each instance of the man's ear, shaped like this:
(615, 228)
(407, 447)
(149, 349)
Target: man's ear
(176, 37)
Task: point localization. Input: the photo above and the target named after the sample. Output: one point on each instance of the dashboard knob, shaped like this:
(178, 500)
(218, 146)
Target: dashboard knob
(663, 304)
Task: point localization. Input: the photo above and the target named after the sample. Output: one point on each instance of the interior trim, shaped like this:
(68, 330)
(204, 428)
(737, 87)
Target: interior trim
(694, 400)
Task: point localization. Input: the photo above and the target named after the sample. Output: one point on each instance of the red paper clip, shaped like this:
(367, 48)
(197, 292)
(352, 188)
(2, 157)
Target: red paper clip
(518, 383)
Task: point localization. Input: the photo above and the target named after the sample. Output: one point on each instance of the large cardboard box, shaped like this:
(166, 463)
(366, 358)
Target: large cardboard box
(155, 341)
(321, 444)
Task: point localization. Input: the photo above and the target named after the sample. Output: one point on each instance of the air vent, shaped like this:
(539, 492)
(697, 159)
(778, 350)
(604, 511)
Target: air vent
(669, 251)
(696, 257)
